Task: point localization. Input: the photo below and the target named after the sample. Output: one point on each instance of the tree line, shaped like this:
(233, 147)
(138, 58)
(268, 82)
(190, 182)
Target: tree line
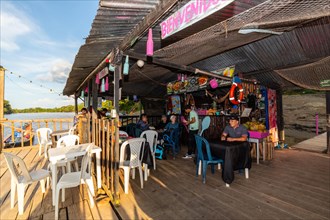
(126, 106)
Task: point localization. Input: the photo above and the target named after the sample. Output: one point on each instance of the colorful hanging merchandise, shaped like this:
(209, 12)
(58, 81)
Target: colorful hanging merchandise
(107, 84)
(176, 104)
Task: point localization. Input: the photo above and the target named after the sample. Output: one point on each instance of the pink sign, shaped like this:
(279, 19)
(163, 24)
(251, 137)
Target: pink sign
(189, 14)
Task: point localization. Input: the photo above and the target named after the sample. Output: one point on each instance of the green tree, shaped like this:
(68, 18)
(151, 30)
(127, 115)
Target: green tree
(7, 107)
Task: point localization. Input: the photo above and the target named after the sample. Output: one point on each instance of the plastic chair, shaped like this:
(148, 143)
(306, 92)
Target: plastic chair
(205, 157)
(72, 130)
(205, 124)
(43, 139)
(123, 133)
(136, 146)
(151, 137)
(68, 140)
(21, 179)
(172, 141)
(75, 179)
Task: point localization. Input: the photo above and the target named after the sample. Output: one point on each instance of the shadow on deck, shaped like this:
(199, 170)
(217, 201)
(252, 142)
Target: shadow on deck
(38, 205)
(294, 185)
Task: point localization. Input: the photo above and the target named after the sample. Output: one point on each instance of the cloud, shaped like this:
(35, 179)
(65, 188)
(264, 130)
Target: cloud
(13, 25)
(58, 72)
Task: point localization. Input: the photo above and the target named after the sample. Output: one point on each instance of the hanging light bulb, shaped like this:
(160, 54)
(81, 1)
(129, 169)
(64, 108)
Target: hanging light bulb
(126, 66)
(140, 63)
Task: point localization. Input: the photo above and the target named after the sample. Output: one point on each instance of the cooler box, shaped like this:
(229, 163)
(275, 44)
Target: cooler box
(257, 134)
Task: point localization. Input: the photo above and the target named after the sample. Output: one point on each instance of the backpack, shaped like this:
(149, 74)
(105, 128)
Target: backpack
(159, 152)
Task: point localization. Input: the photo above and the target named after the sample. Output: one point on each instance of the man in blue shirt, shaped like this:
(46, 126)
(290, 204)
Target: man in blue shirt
(234, 131)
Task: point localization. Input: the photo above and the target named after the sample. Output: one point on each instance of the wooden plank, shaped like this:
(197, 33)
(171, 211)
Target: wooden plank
(171, 65)
(79, 210)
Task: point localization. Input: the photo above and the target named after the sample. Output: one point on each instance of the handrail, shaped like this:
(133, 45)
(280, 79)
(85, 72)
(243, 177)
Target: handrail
(9, 126)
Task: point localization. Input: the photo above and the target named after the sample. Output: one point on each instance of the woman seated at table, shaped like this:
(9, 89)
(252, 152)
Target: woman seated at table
(143, 123)
(173, 124)
(234, 131)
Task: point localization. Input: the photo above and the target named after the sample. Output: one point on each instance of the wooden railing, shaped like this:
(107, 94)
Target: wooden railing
(9, 127)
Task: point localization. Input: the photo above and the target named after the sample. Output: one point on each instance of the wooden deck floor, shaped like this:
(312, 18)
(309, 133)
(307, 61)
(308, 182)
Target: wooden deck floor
(38, 205)
(294, 185)
(316, 144)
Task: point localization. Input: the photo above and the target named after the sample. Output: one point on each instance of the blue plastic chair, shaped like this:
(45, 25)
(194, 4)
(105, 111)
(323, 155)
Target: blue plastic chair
(205, 124)
(205, 156)
(172, 141)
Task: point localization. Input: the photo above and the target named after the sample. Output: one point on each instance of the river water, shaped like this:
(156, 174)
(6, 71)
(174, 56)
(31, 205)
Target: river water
(31, 116)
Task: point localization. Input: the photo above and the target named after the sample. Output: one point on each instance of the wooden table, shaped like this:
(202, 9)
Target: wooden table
(55, 134)
(57, 154)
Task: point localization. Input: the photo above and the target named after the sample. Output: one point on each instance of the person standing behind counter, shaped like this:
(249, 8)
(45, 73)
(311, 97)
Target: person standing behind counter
(234, 131)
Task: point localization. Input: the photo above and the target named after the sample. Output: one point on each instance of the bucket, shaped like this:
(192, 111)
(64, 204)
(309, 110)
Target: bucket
(213, 83)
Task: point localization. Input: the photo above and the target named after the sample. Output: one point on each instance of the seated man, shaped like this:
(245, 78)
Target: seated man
(163, 122)
(234, 131)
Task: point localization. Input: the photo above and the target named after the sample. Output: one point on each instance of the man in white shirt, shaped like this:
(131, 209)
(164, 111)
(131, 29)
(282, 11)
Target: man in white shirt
(193, 129)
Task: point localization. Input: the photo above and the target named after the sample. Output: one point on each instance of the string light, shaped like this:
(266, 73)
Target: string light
(30, 81)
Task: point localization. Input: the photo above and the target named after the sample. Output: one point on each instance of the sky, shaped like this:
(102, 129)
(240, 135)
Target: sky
(39, 40)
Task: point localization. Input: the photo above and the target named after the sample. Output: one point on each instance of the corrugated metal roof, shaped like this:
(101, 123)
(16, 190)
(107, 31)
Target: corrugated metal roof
(256, 55)
(299, 46)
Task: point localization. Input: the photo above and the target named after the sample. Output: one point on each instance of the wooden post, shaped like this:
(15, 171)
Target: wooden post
(2, 96)
(94, 107)
(88, 110)
(280, 118)
(117, 74)
(76, 104)
(327, 95)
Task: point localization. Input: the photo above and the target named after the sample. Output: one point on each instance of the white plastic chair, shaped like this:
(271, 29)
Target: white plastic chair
(151, 137)
(21, 179)
(75, 179)
(72, 130)
(136, 146)
(123, 133)
(68, 140)
(43, 139)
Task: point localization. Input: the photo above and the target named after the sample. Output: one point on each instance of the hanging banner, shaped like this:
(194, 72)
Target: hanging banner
(176, 104)
(189, 14)
(272, 109)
